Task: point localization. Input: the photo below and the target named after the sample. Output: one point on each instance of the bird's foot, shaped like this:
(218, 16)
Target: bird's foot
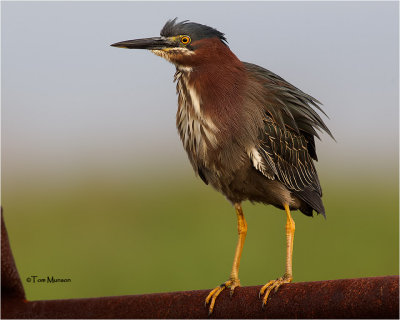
(212, 296)
(274, 284)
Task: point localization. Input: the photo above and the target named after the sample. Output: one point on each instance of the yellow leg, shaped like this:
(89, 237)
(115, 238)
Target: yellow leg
(233, 281)
(288, 276)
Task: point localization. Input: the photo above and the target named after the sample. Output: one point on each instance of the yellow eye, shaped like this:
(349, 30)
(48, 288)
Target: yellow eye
(185, 40)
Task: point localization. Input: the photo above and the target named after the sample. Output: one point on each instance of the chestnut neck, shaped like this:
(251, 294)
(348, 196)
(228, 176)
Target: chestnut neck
(219, 79)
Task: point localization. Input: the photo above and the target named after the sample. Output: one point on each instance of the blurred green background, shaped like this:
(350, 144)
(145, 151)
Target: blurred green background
(96, 186)
(171, 232)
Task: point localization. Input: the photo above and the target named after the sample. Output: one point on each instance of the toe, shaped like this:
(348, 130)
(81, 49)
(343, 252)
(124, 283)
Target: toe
(273, 284)
(212, 296)
(232, 290)
(262, 290)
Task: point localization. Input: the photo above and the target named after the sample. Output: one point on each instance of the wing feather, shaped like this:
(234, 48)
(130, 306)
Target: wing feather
(286, 153)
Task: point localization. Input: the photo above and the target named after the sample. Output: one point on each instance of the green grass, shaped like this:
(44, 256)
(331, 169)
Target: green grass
(117, 237)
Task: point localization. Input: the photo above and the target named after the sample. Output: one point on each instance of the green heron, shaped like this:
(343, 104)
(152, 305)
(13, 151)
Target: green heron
(247, 132)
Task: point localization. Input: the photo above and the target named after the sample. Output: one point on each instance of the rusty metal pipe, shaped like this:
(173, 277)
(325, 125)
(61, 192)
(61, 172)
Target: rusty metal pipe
(350, 298)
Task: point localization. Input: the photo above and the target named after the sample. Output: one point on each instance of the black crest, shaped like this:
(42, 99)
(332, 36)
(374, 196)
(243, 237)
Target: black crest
(196, 31)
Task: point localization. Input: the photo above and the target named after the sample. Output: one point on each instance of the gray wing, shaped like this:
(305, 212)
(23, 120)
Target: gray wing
(286, 145)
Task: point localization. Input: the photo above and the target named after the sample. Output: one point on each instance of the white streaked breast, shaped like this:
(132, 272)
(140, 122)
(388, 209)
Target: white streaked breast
(193, 126)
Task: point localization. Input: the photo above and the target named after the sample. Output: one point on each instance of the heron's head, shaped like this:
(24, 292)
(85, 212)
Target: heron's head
(183, 43)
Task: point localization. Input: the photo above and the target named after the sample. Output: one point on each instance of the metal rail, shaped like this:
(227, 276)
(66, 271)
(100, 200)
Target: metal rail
(376, 297)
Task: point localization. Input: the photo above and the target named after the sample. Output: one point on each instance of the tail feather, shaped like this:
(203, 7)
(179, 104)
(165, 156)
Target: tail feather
(313, 201)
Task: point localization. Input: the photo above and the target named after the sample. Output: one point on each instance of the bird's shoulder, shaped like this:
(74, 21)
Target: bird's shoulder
(289, 107)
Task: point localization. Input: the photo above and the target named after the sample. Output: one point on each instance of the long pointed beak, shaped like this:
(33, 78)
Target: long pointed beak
(146, 43)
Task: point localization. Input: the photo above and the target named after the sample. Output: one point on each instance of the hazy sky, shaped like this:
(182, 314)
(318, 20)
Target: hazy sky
(70, 100)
